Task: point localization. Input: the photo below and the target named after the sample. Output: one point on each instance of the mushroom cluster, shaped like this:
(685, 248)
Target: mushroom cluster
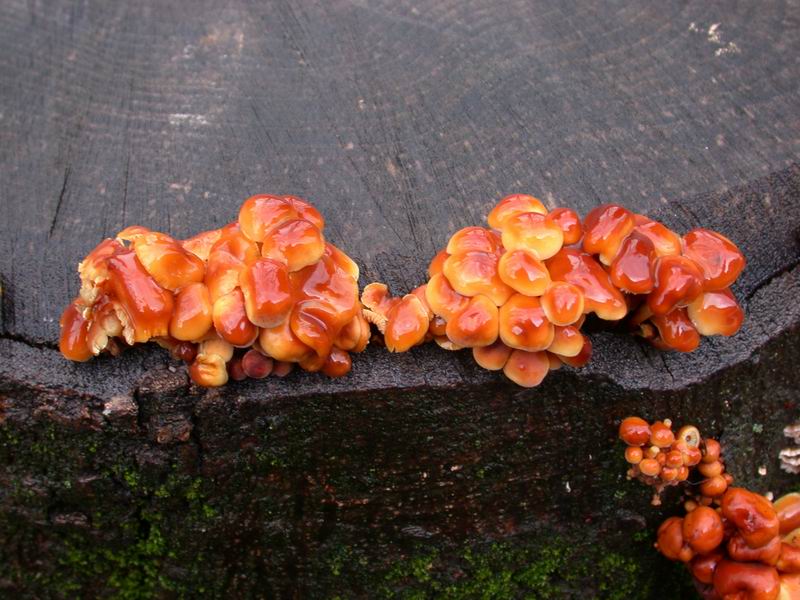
(661, 458)
(736, 544)
(246, 300)
(678, 287)
(516, 293)
(513, 293)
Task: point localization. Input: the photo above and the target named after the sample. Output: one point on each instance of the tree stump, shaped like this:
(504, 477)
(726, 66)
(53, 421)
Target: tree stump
(418, 474)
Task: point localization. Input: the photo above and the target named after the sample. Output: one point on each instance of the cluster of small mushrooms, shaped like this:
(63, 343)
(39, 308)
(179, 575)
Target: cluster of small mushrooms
(517, 292)
(268, 291)
(737, 544)
(249, 299)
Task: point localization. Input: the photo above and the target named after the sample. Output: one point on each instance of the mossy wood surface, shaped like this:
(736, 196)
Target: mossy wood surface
(418, 475)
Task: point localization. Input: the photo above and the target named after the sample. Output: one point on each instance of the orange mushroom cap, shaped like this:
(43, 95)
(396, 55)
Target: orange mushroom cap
(191, 316)
(523, 272)
(493, 357)
(752, 514)
(671, 542)
(74, 329)
(746, 581)
(634, 431)
(678, 282)
(473, 239)
(513, 205)
(527, 369)
(230, 319)
(407, 324)
(716, 313)
(316, 323)
(718, 257)
(167, 261)
(297, 243)
(567, 341)
(476, 325)
(604, 230)
(632, 268)
(538, 234)
(581, 270)
(677, 331)
(267, 292)
(703, 530)
(259, 214)
(787, 508)
(665, 241)
(442, 298)
(570, 224)
(147, 305)
(563, 303)
(523, 324)
(474, 273)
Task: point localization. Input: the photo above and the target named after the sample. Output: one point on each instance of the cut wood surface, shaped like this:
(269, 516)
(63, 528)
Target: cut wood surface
(402, 122)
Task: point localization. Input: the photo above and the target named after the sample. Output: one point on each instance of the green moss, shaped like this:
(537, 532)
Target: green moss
(529, 569)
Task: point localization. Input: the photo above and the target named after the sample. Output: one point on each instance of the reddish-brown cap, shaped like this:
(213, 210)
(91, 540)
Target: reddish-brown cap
(752, 514)
(671, 542)
(634, 431)
(632, 268)
(767, 554)
(676, 331)
(703, 567)
(580, 269)
(787, 508)
(604, 230)
(337, 364)
(748, 581)
(678, 282)
(703, 530)
(74, 328)
(718, 257)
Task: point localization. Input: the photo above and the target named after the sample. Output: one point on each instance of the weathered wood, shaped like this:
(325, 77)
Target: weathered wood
(401, 123)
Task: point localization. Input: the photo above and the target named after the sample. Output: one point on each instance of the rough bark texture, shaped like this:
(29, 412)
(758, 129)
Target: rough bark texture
(417, 475)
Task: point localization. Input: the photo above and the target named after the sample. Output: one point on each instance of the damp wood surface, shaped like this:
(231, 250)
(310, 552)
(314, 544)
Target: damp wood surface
(401, 122)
